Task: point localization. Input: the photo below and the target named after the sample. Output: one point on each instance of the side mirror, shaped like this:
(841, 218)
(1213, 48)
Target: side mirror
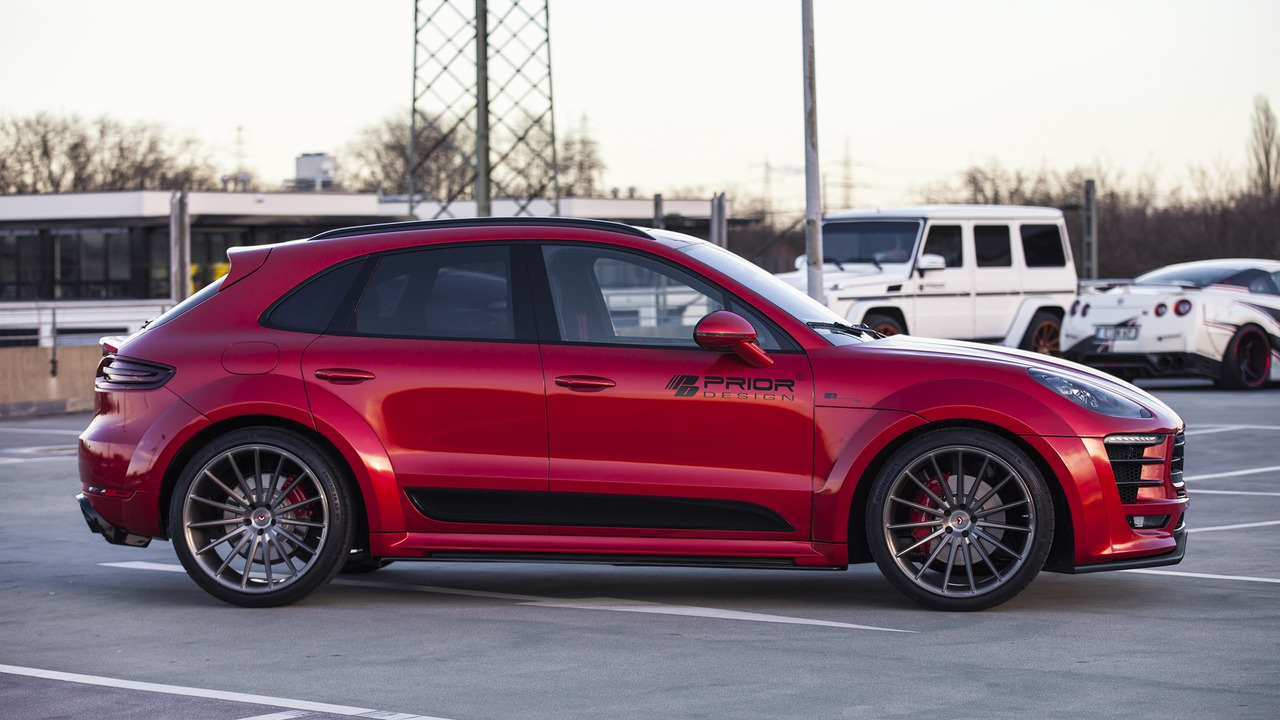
(929, 261)
(724, 330)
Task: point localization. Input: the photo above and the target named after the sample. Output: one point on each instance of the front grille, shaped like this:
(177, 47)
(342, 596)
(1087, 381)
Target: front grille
(1175, 465)
(122, 373)
(1128, 455)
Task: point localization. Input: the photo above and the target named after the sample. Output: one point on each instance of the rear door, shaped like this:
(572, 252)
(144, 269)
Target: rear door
(439, 358)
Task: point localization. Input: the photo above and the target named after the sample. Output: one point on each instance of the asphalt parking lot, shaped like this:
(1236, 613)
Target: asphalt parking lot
(93, 630)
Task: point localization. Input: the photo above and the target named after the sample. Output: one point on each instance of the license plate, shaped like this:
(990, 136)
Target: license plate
(1118, 332)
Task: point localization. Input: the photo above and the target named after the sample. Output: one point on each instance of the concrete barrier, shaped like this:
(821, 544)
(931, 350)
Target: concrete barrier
(28, 388)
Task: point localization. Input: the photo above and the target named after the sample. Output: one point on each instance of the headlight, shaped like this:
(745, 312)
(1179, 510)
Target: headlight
(1090, 396)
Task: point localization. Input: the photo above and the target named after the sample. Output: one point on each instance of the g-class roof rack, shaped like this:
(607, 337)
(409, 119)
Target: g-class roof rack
(565, 222)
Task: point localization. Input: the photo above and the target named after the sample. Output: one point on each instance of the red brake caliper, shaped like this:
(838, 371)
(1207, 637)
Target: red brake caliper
(916, 516)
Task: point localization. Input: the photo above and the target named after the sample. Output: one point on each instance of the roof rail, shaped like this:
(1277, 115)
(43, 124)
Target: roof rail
(568, 222)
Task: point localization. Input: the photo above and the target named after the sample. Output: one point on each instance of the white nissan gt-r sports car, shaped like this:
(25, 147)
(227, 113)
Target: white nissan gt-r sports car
(1212, 318)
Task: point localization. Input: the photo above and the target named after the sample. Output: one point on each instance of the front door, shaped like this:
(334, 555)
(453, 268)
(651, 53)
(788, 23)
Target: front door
(653, 436)
(944, 299)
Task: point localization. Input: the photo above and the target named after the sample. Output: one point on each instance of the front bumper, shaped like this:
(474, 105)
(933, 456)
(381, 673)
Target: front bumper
(1172, 557)
(113, 534)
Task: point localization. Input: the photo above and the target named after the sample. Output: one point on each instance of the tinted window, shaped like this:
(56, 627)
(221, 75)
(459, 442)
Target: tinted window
(611, 297)
(876, 241)
(1042, 246)
(944, 240)
(452, 292)
(991, 245)
(312, 305)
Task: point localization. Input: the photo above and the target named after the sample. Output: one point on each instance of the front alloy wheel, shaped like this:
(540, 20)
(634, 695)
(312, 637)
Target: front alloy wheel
(960, 519)
(260, 518)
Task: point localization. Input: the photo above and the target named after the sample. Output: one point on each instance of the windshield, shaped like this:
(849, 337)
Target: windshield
(871, 241)
(1199, 276)
(788, 299)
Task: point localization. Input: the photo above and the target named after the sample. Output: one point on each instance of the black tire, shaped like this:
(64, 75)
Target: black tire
(884, 324)
(1247, 363)
(261, 517)
(1043, 334)
(966, 544)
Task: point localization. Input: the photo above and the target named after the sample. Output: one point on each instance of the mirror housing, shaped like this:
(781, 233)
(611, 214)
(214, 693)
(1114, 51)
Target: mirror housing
(930, 261)
(724, 330)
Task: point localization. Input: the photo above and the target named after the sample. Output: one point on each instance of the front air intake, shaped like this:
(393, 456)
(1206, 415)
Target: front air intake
(1129, 455)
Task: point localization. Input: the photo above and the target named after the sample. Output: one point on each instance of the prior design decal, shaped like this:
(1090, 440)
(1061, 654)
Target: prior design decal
(731, 387)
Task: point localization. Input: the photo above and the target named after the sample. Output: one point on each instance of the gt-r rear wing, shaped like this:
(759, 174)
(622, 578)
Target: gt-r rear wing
(1097, 286)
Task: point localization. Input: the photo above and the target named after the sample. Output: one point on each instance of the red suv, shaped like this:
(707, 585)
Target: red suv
(557, 389)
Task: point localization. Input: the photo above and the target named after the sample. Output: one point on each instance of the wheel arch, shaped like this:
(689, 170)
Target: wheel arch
(893, 312)
(1061, 552)
(210, 433)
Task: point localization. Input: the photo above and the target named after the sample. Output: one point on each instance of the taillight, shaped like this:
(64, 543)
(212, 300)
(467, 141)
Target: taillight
(1074, 307)
(1161, 309)
(1084, 311)
(121, 373)
(1182, 307)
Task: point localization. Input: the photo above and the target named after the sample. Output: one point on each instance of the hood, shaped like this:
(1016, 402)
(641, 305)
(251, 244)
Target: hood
(941, 358)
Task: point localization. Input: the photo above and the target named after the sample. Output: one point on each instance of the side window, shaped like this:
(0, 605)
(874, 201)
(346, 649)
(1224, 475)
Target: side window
(991, 246)
(1042, 246)
(944, 240)
(441, 293)
(604, 296)
(310, 307)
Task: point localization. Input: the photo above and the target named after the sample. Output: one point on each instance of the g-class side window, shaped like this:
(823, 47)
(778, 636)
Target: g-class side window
(991, 245)
(945, 240)
(1042, 246)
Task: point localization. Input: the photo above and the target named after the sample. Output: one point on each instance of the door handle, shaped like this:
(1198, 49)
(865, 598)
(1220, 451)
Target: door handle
(584, 383)
(343, 376)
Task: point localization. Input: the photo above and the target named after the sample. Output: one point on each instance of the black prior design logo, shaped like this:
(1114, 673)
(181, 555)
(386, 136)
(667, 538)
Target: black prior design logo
(684, 385)
(729, 387)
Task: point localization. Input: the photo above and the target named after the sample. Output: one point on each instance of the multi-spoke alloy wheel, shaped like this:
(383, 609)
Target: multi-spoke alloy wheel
(1247, 363)
(960, 519)
(260, 517)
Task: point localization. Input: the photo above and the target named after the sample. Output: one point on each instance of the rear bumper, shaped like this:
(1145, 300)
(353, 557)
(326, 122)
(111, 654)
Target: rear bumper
(113, 534)
(1149, 364)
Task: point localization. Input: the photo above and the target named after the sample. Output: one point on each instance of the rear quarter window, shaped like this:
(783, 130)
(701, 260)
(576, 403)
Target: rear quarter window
(1042, 246)
(311, 306)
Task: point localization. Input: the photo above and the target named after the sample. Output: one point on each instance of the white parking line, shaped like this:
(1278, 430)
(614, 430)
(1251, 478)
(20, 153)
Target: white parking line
(1234, 473)
(286, 715)
(1241, 526)
(1205, 576)
(39, 431)
(1198, 491)
(1210, 430)
(118, 683)
(612, 604)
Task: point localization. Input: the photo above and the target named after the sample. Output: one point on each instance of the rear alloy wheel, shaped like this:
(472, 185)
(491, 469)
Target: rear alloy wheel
(884, 324)
(1247, 363)
(1043, 334)
(261, 517)
(960, 519)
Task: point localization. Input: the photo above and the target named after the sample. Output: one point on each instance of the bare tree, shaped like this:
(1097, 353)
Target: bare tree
(46, 153)
(380, 154)
(580, 163)
(1264, 149)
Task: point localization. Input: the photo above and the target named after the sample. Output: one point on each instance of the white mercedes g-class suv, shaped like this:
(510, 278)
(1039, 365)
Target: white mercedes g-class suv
(990, 273)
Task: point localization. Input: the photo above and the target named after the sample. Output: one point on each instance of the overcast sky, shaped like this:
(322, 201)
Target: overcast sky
(695, 93)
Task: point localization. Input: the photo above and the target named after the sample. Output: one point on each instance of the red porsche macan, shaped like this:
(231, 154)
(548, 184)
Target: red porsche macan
(555, 389)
